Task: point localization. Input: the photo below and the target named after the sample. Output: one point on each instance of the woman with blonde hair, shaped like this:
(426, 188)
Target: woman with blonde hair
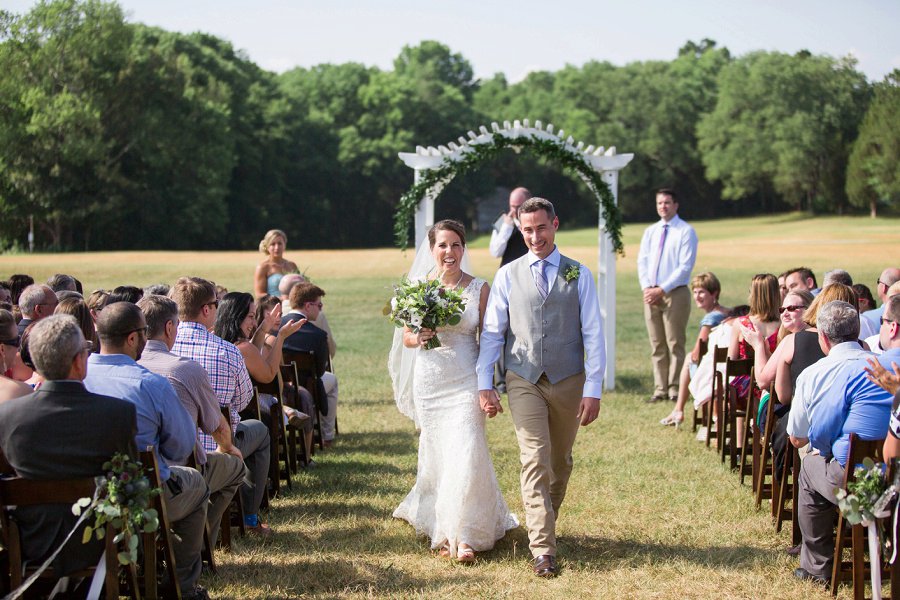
(705, 288)
(765, 300)
(275, 266)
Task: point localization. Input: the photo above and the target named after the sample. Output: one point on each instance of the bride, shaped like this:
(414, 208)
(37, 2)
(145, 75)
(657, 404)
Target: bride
(456, 500)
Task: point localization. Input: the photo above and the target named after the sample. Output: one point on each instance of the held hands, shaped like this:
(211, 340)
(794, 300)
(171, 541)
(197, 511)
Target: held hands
(877, 374)
(490, 402)
(589, 410)
(652, 295)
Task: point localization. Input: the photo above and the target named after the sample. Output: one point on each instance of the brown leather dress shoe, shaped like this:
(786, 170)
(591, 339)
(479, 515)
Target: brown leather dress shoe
(545, 566)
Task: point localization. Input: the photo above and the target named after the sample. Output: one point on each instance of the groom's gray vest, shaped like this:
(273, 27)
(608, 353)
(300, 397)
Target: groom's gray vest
(544, 336)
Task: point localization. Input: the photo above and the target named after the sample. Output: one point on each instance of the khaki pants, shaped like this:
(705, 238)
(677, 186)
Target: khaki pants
(666, 325)
(546, 420)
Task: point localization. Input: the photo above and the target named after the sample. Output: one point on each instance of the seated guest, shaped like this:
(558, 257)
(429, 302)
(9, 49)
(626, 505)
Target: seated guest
(236, 323)
(36, 302)
(306, 303)
(78, 308)
(62, 282)
(197, 306)
(96, 301)
(9, 346)
(837, 276)
(269, 272)
(763, 318)
(833, 399)
(23, 360)
(125, 293)
(864, 294)
(62, 431)
(17, 283)
(5, 297)
(801, 278)
(284, 288)
(161, 421)
(223, 469)
(888, 278)
(706, 289)
(157, 289)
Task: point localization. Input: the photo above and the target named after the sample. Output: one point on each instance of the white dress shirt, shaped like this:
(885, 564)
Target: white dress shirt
(500, 237)
(496, 322)
(817, 381)
(677, 259)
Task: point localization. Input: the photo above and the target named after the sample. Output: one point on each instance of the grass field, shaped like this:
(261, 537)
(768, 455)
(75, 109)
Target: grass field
(650, 513)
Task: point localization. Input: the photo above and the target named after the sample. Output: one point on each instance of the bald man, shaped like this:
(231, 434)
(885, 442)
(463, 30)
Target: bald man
(888, 277)
(506, 242)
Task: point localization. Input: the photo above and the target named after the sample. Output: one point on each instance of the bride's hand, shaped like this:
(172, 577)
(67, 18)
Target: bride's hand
(424, 335)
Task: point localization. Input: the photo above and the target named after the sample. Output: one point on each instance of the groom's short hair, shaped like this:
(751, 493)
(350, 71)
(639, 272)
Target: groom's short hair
(535, 204)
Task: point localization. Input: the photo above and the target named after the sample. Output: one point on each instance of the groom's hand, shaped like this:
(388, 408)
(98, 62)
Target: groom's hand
(490, 402)
(589, 410)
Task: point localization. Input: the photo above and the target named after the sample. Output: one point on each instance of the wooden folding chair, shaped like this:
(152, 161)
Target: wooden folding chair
(699, 416)
(291, 386)
(277, 433)
(158, 545)
(857, 568)
(305, 363)
(750, 435)
(727, 423)
(766, 464)
(720, 355)
(19, 492)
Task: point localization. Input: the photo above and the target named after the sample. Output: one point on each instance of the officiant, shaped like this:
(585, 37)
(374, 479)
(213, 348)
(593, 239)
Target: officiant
(507, 244)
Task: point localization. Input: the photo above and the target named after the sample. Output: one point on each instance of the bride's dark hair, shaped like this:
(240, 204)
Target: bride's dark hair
(447, 225)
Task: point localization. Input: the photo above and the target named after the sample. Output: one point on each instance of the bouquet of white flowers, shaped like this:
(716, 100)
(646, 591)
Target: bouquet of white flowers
(425, 304)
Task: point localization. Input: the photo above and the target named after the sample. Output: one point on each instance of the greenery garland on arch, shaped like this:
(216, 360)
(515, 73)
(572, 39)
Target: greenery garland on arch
(431, 181)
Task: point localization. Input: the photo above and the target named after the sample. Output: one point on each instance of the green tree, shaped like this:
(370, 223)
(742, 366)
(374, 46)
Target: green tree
(873, 172)
(784, 124)
(58, 159)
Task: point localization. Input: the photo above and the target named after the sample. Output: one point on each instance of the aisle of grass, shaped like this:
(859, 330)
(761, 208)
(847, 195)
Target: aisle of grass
(650, 513)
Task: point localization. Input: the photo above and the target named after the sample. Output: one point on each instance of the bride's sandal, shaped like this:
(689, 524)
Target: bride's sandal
(465, 554)
(444, 551)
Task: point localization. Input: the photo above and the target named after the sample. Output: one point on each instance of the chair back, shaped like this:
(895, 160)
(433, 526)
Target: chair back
(158, 544)
(20, 492)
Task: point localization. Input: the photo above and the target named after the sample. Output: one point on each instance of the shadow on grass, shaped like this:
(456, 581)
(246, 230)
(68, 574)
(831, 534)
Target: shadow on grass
(378, 443)
(604, 553)
(314, 576)
(634, 384)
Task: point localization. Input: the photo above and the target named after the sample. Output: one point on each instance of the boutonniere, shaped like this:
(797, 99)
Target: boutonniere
(572, 272)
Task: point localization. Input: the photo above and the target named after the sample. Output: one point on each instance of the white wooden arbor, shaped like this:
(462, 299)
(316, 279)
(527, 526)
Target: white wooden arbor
(604, 161)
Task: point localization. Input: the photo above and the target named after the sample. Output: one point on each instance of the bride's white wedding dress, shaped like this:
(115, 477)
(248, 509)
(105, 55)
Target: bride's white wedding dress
(456, 498)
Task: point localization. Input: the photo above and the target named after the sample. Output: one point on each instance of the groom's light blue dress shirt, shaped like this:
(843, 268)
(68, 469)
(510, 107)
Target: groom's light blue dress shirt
(496, 322)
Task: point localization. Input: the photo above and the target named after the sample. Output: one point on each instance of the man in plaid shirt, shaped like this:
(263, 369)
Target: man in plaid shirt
(197, 305)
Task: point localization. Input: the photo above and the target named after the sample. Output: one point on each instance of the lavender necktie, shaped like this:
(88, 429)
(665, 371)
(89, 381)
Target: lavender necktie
(541, 279)
(659, 251)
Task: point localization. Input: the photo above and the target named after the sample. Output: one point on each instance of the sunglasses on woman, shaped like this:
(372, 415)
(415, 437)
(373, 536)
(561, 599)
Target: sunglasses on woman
(791, 308)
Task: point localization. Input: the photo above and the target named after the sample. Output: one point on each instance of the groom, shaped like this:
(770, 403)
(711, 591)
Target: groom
(555, 356)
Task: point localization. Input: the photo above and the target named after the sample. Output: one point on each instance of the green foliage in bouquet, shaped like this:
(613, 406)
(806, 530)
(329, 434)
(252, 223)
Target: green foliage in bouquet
(122, 499)
(425, 305)
(857, 502)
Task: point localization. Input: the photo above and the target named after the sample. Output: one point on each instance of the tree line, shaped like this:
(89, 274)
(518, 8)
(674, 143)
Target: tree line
(117, 135)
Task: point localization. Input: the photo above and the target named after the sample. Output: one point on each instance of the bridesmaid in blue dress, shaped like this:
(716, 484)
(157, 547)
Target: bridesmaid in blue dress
(270, 271)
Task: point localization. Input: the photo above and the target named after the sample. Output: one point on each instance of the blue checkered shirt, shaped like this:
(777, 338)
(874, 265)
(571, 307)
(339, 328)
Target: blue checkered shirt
(226, 368)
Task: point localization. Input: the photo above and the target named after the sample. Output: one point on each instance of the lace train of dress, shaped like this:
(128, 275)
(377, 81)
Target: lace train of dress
(456, 498)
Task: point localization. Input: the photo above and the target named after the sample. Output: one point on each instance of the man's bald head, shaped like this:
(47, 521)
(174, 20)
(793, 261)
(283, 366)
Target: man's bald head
(888, 277)
(287, 284)
(517, 197)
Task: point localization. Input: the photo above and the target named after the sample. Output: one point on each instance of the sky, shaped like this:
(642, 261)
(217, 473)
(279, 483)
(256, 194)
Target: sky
(516, 38)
